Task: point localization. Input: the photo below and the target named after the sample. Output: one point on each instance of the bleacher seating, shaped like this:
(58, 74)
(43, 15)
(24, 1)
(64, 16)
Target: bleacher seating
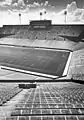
(7, 92)
(71, 30)
(51, 38)
(25, 32)
(58, 101)
(76, 69)
(58, 43)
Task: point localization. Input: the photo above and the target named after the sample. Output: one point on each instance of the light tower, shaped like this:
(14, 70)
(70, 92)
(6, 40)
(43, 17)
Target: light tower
(45, 15)
(40, 15)
(20, 18)
(65, 13)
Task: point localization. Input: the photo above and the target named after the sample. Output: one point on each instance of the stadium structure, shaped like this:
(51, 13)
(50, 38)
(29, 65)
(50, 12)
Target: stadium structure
(52, 59)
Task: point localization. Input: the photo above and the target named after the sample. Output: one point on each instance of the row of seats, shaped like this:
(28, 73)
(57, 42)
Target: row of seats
(76, 69)
(7, 91)
(40, 43)
(13, 29)
(58, 101)
(71, 31)
(25, 32)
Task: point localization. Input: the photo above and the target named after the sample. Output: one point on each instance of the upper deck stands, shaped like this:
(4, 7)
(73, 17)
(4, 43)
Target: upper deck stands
(26, 32)
(73, 30)
(53, 37)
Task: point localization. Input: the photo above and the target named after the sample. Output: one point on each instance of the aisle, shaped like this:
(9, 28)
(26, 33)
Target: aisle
(6, 109)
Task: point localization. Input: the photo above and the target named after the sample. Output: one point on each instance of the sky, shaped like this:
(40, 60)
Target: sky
(30, 9)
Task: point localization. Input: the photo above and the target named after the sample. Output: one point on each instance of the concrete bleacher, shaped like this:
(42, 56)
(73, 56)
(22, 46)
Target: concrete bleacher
(12, 30)
(74, 30)
(59, 43)
(8, 91)
(25, 32)
(76, 69)
(59, 101)
(25, 36)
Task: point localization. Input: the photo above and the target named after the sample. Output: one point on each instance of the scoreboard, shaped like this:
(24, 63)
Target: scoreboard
(40, 24)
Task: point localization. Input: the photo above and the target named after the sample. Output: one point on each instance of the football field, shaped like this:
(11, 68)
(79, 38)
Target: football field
(35, 61)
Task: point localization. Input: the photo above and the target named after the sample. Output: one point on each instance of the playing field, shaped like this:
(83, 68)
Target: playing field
(35, 60)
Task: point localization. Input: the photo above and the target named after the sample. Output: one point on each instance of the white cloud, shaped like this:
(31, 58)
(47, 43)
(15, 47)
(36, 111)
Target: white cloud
(78, 12)
(36, 4)
(15, 4)
(42, 10)
(20, 3)
(6, 2)
(46, 3)
(74, 14)
(26, 10)
(72, 7)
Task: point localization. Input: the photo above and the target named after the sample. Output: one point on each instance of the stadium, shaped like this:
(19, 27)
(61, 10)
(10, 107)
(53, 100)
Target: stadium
(42, 71)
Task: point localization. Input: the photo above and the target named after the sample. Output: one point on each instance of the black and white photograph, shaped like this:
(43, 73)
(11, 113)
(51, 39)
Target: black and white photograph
(41, 59)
